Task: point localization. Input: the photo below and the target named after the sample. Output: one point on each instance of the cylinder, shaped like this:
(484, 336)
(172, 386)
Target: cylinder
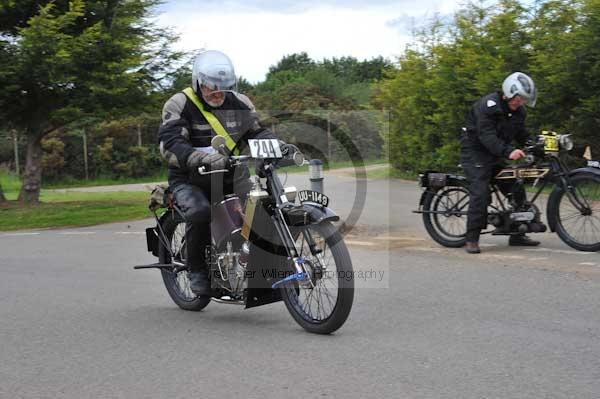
(227, 218)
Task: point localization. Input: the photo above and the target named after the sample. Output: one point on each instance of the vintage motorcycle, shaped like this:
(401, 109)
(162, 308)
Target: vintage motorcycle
(573, 202)
(270, 250)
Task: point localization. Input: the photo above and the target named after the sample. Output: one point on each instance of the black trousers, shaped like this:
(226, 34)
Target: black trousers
(479, 177)
(195, 203)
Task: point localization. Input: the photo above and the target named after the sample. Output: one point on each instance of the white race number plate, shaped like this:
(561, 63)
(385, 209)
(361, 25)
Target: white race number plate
(265, 148)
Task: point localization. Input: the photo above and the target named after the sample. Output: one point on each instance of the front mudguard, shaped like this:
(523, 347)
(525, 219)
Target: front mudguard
(268, 257)
(552, 209)
(308, 213)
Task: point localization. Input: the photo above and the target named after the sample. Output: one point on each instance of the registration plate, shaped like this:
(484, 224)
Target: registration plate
(313, 196)
(265, 148)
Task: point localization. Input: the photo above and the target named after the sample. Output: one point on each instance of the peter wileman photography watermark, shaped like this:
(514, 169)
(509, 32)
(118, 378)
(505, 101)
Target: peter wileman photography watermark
(362, 278)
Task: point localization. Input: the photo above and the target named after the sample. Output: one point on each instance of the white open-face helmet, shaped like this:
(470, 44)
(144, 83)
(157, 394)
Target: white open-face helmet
(519, 84)
(214, 70)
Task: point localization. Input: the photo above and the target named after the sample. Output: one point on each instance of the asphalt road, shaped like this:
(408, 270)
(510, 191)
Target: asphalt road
(76, 321)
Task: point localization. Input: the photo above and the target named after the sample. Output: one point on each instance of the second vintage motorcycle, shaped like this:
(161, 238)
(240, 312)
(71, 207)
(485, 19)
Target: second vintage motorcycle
(572, 198)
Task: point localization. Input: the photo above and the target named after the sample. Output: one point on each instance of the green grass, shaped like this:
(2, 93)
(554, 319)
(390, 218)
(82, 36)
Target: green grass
(74, 209)
(104, 181)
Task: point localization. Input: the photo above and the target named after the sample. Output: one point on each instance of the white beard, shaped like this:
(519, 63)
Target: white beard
(213, 103)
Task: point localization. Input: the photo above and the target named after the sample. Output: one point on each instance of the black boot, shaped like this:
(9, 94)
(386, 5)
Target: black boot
(521, 240)
(200, 283)
(472, 247)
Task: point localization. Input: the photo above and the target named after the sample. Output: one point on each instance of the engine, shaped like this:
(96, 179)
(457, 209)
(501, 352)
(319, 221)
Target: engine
(228, 269)
(527, 219)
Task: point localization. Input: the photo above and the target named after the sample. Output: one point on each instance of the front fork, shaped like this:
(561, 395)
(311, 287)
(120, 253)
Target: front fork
(285, 235)
(578, 201)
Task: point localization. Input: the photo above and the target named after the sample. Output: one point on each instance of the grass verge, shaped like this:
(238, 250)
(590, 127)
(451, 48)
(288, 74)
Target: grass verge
(74, 209)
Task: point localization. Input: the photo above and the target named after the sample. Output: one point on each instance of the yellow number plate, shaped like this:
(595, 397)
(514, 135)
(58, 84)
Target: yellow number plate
(551, 143)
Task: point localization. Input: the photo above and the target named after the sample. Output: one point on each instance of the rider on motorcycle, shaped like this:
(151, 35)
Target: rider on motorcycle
(190, 119)
(493, 123)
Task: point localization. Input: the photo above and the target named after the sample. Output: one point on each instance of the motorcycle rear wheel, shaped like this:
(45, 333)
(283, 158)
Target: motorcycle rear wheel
(178, 284)
(447, 222)
(324, 308)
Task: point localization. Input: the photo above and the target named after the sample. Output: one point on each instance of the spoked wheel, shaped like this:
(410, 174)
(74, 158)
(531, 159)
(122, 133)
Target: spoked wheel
(578, 213)
(178, 284)
(322, 304)
(446, 221)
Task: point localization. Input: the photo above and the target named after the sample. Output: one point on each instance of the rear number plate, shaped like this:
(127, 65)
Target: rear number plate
(313, 196)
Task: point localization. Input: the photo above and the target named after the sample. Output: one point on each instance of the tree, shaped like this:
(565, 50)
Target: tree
(68, 60)
(243, 85)
(297, 63)
(443, 73)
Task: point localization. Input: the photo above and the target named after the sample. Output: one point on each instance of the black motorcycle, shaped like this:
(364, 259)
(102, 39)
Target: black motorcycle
(573, 198)
(271, 249)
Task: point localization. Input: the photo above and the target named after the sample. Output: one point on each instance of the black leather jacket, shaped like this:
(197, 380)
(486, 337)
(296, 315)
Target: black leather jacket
(184, 128)
(490, 129)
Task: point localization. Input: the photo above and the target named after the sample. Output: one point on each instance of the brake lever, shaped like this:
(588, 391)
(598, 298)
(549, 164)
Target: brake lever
(202, 171)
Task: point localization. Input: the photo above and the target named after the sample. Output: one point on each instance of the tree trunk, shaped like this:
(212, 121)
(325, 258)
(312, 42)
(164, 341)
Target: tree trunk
(2, 197)
(32, 176)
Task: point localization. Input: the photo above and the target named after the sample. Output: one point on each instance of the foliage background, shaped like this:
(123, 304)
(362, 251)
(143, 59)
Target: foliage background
(409, 109)
(451, 64)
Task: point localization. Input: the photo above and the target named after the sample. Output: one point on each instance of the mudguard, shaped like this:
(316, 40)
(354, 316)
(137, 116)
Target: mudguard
(308, 213)
(551, 212)
(432, 181)
(268, 257)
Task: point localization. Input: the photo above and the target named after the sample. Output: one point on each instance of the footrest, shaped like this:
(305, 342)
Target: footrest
(154, 266)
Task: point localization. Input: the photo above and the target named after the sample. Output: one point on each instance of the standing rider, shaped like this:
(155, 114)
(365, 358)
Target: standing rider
(190, 119)
(492, 124)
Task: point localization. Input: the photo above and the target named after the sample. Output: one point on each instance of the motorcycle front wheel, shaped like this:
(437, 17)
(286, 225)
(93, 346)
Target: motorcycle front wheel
(177, 283)
(579, 226)
(323, 304)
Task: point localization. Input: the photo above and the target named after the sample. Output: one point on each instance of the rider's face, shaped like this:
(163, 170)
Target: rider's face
(214, 98)
(516, 102)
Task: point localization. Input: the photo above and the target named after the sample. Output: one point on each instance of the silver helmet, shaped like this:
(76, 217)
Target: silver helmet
(214, 70)
(519, 84)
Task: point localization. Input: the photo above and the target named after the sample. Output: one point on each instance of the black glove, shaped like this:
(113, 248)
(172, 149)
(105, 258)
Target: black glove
(213, 161)
(216, 161)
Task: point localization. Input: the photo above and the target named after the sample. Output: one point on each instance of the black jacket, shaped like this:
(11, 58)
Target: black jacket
(184, 127)
(490, 129)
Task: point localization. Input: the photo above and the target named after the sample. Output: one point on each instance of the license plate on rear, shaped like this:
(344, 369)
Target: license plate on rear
(313, 196)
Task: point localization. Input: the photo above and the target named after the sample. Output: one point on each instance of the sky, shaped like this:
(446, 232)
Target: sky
(258, 33)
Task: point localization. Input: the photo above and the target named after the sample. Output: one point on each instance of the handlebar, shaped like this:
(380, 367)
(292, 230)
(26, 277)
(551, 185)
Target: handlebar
(235, 160)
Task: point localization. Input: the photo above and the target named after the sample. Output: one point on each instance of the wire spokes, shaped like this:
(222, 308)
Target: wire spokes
(451, 208)
(579, 212)
(318, 302)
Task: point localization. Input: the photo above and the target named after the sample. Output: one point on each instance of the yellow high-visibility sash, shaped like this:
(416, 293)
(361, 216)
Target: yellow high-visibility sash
(212, 121)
